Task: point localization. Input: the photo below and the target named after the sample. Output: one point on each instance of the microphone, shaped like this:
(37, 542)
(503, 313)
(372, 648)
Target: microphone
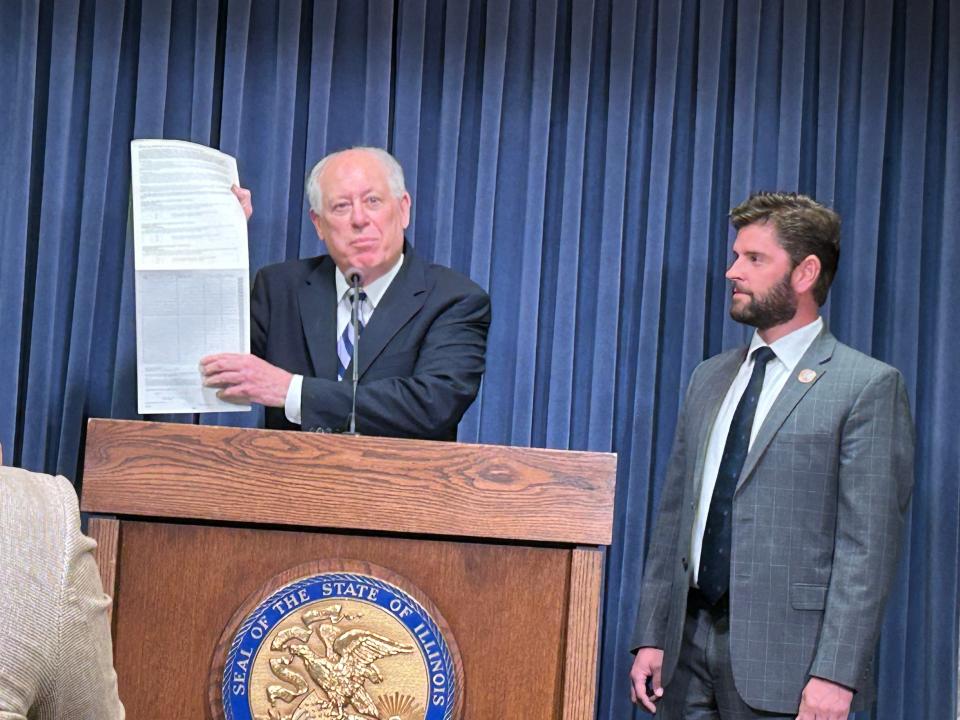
(355, 276)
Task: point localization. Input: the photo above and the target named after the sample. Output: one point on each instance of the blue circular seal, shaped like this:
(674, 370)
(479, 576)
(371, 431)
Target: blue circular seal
(334, 644)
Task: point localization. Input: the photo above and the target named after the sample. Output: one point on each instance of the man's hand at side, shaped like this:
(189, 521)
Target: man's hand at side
(246, 378)
(824, 700)
(646, 664)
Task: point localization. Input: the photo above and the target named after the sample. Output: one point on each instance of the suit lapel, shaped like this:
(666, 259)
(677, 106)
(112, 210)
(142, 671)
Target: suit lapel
(402, 300)
(318, 313)
(711, 399)
(816, 358)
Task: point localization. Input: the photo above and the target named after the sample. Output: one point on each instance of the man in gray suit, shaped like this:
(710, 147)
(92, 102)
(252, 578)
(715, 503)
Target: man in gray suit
(780, 517)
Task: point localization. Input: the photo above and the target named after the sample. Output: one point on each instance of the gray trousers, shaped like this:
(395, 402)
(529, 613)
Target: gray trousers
(702, 686)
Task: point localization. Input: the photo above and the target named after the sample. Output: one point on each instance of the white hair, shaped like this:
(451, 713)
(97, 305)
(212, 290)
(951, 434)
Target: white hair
(389, 162)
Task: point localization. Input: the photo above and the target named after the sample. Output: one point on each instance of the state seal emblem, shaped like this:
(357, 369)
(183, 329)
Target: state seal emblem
(337, 640)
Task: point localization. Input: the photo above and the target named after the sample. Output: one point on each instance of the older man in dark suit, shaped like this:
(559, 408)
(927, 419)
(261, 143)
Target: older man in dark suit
(424, 327)
(780, 518)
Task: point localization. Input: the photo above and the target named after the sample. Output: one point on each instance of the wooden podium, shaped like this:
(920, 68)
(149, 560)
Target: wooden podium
(507, 542)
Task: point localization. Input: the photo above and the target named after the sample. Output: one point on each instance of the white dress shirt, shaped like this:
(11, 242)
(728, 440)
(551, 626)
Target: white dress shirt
(374, 292)
(788, 350)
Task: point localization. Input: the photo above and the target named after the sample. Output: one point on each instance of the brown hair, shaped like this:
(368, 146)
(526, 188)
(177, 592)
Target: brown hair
(804, 227)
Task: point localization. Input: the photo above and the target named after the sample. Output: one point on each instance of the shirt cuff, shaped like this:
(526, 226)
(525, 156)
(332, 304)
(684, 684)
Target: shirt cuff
(291, 406)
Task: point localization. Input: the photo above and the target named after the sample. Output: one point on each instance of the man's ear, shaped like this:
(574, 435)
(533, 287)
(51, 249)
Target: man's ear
(405, 203)
(805, 274)
(315, 220)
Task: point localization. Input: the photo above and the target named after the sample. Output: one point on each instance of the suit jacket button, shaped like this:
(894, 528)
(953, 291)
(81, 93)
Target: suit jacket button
(683, 561)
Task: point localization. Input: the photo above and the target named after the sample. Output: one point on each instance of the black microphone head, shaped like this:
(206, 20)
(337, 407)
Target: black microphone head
(354, 276)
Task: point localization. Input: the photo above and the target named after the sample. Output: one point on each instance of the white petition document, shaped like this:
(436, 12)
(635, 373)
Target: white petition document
(191, 270)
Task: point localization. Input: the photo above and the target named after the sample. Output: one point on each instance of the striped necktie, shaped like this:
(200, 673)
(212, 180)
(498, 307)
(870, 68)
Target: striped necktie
(346, 341)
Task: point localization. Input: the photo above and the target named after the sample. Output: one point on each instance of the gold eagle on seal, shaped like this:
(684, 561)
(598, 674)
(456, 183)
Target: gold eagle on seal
(340, 673)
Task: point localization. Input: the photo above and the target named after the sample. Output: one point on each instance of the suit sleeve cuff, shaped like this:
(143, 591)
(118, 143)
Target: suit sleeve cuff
(291, 406)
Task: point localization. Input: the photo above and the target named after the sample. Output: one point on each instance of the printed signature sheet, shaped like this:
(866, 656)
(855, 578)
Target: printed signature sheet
(191, 272)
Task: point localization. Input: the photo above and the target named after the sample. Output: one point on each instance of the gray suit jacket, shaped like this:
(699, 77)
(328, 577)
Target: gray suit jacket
(818, 512)
(55, 655)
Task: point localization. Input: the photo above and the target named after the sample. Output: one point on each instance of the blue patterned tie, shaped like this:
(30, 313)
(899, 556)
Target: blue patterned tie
(714, 574)
(347, 340)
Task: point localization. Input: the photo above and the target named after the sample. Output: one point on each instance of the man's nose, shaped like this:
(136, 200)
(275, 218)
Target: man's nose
(358, 215)
(733, 270)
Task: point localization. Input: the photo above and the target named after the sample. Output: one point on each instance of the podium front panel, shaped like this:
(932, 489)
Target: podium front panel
(178, 584)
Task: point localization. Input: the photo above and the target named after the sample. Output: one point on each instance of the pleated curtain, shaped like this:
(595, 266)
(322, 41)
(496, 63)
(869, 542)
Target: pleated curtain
(575, 157)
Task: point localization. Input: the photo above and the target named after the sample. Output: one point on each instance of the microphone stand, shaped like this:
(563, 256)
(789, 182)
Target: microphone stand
(355, 360)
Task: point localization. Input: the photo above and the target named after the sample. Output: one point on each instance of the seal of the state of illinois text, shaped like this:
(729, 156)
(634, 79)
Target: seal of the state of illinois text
(337, 640)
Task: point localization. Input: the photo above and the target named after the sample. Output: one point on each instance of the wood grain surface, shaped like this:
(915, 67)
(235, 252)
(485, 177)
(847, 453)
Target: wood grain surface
(179, 585)
(583, 621)
(336, 481)
(106, 531)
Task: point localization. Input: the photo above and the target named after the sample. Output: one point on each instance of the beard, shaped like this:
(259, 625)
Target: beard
(776, 307)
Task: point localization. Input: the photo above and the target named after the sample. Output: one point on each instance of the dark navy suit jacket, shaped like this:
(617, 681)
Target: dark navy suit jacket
(421, 355)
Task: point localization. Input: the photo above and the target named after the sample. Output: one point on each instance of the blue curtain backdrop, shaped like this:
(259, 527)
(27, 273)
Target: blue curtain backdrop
(575, 157)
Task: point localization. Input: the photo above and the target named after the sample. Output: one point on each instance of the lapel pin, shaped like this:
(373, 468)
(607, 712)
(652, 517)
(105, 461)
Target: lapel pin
(807, 375)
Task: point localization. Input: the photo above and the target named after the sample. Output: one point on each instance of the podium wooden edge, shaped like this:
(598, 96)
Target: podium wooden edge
(583, 622)
(237, 475)
(106, 532)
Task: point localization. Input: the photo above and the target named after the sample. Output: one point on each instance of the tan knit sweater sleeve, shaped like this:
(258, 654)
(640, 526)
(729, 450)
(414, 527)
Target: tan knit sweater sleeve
(55, 652)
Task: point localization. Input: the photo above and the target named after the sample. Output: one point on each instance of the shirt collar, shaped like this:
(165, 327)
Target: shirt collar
(791, 347)
(374, 290)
